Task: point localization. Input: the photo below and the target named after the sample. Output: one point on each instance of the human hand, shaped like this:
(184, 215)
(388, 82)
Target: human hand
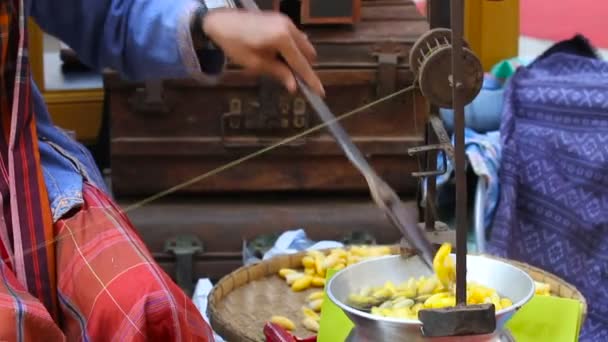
(254, 40)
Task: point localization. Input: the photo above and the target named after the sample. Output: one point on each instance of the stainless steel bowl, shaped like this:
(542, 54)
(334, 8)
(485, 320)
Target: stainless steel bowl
(509, 281)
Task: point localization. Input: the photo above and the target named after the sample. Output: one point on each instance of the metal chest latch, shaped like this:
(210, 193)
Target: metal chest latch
(264, 120)
(149, 99)
(184, 247)
(388, 56)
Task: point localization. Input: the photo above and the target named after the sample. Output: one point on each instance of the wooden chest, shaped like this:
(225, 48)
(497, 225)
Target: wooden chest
(169, 132)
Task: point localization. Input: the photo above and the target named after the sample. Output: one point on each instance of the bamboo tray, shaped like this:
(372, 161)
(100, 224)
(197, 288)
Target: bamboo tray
(243, 301)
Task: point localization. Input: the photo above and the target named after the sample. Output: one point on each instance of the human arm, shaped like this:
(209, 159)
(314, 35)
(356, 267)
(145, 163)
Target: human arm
(139, 39)
(152, 38)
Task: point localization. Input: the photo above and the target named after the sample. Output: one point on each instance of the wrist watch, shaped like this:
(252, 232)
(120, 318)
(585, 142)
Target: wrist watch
(199, 38)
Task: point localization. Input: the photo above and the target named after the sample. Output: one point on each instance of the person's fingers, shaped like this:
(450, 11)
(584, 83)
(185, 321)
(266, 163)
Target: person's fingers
(293, 56)
(281, 72)
(266, 65)
(300, 66)
(304, 44)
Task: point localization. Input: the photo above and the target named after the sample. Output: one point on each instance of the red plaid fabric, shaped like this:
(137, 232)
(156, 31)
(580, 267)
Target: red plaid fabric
(110, 289)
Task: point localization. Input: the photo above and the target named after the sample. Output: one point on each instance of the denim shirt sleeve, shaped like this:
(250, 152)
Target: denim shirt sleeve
(141, 39)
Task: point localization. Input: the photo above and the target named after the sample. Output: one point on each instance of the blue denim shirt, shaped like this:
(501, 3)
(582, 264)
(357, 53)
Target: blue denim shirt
(141, 39)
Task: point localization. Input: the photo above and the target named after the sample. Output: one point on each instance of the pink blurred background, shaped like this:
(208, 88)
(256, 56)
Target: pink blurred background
(560, 19)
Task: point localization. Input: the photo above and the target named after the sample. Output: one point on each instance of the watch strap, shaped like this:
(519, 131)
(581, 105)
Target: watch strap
(199, 38)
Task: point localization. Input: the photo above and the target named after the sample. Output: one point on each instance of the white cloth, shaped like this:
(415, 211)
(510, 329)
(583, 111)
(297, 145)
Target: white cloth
(200, 299)
(294, 241)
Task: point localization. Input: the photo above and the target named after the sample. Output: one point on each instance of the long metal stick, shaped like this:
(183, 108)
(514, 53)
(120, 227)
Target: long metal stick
(457, 15)
(402, 217)
(385, 197)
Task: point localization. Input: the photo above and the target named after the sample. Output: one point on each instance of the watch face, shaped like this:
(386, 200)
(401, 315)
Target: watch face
(214, 4)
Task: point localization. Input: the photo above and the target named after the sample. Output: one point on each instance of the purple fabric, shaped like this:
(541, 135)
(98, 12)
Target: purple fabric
(553, 208)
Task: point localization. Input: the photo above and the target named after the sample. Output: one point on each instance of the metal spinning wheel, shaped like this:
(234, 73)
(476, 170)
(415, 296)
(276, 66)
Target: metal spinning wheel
(431, 61)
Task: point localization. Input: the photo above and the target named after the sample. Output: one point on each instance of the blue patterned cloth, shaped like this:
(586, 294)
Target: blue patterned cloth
(553, 208)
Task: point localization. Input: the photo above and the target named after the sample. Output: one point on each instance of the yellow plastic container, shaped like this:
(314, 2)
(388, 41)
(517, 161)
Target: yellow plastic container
(492, 29)
(79, 110)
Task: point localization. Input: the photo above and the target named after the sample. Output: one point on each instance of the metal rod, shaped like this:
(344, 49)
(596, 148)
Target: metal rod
(457, 15)
(431, 194)
(384, 196)
(479, 219)
(438, 13)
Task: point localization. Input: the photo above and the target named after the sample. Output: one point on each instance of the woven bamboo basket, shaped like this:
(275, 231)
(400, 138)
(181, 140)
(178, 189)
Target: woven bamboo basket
(243, 301)
(559, 287)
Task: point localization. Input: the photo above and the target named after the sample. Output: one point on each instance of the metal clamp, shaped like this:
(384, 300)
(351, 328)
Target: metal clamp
(184, 247)
(428, 148)
(359, 238)
(388, 56)
(387, 74)
(444, 146)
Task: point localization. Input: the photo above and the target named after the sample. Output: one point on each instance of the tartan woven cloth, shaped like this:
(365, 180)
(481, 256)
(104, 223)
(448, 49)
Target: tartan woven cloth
(87, 277)
(110, 289)
(23, 317)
